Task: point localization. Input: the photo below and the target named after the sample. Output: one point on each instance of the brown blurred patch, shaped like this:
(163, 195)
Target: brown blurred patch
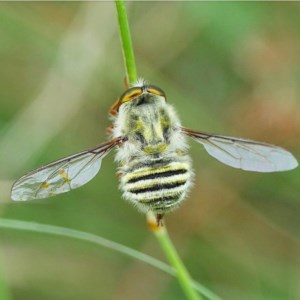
(265, 54)
(268, 109)
(265, 117)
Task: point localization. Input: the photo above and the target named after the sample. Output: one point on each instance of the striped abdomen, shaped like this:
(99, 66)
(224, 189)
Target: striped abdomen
(157, 185)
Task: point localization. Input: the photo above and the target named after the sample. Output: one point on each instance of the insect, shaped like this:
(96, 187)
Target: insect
(152, 154)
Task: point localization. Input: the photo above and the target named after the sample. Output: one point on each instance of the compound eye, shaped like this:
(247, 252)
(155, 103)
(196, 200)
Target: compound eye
(130, 94)
(151, 89)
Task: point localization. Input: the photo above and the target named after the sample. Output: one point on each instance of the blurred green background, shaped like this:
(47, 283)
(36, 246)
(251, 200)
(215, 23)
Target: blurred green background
(230, 68)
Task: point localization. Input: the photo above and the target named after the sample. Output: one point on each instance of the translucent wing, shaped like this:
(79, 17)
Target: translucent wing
(62, 175)
(244, 154)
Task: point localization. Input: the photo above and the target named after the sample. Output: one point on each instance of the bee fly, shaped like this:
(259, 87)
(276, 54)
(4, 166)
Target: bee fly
(155, 169)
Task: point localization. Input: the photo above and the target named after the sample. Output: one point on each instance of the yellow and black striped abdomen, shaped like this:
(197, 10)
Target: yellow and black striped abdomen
(157, 185)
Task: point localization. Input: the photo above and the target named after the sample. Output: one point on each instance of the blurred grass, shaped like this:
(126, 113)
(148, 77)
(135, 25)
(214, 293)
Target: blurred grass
(100, 241)
(231, 68)
(4, 289)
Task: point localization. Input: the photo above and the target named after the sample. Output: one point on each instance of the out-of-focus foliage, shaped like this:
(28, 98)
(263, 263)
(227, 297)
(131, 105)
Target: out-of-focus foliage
(231, 68)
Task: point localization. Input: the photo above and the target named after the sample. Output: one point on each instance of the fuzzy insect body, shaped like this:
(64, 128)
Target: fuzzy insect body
(155, 169)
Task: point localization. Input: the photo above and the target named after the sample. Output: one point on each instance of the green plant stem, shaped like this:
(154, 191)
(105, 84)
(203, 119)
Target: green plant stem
(128, 54)
(161, 233)
(183, 276)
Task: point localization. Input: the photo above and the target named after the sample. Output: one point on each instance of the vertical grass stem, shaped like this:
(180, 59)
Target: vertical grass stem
(160, 231)
(184, 278)
(128, 54)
